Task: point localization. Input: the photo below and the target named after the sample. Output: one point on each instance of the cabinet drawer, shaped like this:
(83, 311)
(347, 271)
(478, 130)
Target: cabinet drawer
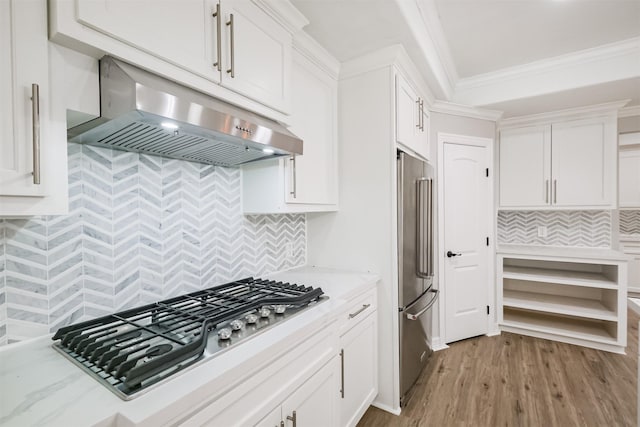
(356, 310)
(259, 393)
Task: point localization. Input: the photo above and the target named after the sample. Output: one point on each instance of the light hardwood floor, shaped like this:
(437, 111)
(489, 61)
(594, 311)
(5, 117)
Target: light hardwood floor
(514, 380)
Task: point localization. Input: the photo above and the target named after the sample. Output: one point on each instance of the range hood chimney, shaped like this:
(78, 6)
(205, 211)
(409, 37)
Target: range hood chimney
(145, 113)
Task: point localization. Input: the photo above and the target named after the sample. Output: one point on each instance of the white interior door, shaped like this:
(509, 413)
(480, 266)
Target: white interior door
(466, 206)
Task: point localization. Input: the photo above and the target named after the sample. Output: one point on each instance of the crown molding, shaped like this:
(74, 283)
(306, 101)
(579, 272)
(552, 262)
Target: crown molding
(445, 107)
(308, 47)
(615, 61)
(285, 13)
(630, 111)
(563, 115)
(434, 52)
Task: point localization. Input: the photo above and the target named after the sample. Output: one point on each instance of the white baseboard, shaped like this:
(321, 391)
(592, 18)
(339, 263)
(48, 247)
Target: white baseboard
(494, 330)
(394, 411)
(437, 344)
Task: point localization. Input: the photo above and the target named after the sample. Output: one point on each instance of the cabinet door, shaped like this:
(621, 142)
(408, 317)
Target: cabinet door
(315, 403)
(525, 167)
(256, 54)
(313, 178)
(359, 364)
(583, 166)
(24, 61)
(272, 420)
(629, 183)
(408, 114)
(182, 32)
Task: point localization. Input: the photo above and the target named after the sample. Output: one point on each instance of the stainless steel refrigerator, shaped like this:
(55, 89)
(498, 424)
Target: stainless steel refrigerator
(416, 295)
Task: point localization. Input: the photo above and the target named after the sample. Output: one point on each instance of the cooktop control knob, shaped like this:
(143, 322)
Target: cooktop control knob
(251, 318)
(280, 309)
(265, 312)
(237, 324)
(224, 333)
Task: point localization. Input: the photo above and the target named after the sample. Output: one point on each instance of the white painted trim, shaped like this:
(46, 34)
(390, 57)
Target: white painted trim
(630, 111)
(394, 411)
(284, 13)
(445, 107)
(391, 56)
(437, 344)
(494, 330)
(563, 115)
(308, 47)
(491, 259)
(558, 63)
(618, 61)
(443, 77)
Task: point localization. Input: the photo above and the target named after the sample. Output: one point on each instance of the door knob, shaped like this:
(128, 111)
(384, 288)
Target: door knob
(451, 254)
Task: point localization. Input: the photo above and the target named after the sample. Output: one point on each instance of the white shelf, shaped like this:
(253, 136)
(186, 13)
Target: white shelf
(572, 306)
(561, 277)
(572, 327)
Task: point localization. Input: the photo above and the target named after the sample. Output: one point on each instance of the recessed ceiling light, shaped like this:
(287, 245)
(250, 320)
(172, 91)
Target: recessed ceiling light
(169, 125)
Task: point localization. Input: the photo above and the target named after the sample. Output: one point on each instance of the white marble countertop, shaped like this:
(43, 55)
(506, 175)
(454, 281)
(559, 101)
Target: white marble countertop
(563, 252)
(38, 386)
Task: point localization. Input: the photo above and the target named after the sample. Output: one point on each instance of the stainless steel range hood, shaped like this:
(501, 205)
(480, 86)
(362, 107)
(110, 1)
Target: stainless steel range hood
(145, 113)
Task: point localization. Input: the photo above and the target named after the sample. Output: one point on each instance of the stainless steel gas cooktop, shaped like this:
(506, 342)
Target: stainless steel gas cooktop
(131, 351)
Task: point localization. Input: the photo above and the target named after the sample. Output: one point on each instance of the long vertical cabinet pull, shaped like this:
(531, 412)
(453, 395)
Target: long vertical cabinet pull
(35, 124)
(546, 189)
(294, 190)
(292, 418)
(422, 114)
(216, 14)
(231, 70)
(555, 191)
(419, 113)
(342, 373)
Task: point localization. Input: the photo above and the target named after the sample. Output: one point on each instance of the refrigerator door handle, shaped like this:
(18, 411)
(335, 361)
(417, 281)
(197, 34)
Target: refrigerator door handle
(415, 316)
(422, 256)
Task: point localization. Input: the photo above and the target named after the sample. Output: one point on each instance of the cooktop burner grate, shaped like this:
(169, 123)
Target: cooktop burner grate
(139, 347)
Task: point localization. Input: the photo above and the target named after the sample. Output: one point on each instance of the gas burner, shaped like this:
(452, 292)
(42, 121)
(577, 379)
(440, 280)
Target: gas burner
(131, 351)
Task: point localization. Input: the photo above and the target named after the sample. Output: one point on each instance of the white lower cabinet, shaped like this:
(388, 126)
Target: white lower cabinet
(632, 248)
(359, 370)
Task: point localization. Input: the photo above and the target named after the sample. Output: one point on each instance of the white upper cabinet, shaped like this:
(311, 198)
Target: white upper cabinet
(308, 182)
(569, 165)
(256, 54)
(584, 163)
(160, 29)
(629, 167)
(412, 118)
(525, 166)
(231, 49)
(33, 178)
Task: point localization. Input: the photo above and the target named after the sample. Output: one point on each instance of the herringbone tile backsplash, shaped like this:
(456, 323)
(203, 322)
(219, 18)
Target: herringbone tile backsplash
(140, 229)
(564, 228)
(630, 222)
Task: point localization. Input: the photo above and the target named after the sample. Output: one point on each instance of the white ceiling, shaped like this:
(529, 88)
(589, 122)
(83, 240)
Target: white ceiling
(480, 39)
(488, 35)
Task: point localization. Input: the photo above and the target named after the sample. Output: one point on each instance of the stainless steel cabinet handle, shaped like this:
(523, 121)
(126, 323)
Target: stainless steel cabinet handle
(419, 114)
(555, 191)
(342, 373)
(231, 70)
(364, 307)
(218, 63)
(415, 316)
(35, 130)
(292, 418)
(294, 189)
(546, 186)
(422, 115)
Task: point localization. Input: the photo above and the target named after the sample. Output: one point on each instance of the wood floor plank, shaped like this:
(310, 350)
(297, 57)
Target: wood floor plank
(515, 380)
